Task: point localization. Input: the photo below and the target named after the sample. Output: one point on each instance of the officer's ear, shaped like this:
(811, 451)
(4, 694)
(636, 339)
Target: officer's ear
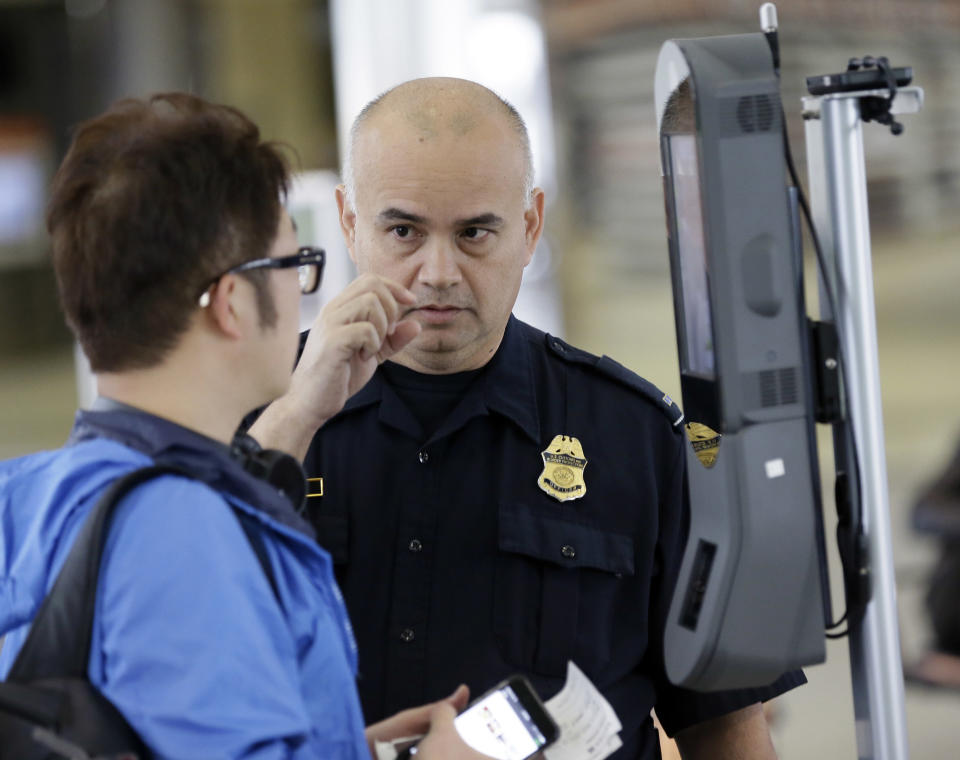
(348, 220)
(533, 222)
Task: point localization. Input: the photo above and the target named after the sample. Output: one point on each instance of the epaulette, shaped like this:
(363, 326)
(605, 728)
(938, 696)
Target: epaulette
(613, 369)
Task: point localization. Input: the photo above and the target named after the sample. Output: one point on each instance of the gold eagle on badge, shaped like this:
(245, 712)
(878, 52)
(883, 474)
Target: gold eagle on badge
(563, 464)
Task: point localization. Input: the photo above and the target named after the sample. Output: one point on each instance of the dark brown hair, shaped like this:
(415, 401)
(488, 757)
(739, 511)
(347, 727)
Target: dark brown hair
(154, 199)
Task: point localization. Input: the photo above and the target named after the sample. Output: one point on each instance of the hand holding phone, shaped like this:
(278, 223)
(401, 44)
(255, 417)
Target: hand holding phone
(442, 741)
(509, 722)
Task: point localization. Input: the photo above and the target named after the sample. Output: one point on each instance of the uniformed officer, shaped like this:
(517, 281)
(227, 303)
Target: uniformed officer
(496, 500)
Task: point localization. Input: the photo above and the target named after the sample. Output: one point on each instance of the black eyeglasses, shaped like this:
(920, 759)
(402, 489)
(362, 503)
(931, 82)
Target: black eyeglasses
(308, 260)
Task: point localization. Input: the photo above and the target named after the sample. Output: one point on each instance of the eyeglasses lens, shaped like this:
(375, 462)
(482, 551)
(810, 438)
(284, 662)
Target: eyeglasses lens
(309, 275)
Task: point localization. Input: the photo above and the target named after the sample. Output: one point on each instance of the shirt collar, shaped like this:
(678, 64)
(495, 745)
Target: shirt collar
(205, 458)
(510, 388)
(507, 388)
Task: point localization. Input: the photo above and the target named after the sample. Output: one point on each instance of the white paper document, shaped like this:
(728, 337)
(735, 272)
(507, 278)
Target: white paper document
(589, 727)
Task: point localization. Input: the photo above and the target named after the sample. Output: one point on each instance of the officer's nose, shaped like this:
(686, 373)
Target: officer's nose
(439, 267)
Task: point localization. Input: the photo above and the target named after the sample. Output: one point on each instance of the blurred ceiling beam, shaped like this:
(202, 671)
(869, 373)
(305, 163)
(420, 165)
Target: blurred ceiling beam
(572, 23)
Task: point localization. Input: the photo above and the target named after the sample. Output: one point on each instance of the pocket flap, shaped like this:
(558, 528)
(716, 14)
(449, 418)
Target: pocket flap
(564, 543)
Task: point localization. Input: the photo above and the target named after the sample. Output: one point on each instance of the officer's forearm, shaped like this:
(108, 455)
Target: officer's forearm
(740, 735)
(282, 427)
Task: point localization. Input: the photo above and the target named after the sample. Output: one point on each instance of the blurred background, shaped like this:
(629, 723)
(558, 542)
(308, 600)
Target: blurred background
(581, 73)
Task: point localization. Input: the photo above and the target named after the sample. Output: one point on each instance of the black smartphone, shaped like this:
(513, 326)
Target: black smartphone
(509, 722)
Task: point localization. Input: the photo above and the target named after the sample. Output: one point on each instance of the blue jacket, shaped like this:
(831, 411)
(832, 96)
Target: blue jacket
(189, 640)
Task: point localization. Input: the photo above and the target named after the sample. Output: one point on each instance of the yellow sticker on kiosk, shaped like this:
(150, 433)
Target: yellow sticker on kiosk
(563, 464)
(705, 443)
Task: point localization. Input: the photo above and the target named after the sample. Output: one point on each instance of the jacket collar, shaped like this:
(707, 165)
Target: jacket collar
(208, 460)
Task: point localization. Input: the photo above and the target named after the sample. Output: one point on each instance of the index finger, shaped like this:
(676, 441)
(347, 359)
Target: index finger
(441, 714)
(391, 295)
(399, 291)
(458, 700)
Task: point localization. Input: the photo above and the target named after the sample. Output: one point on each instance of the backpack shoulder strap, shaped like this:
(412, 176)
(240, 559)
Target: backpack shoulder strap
(256, 543)
(58, 644)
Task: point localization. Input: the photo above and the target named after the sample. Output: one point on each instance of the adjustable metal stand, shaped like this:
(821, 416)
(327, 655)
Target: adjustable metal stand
(838, 192)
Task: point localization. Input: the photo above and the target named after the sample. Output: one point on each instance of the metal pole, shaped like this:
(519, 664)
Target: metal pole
(838, 177)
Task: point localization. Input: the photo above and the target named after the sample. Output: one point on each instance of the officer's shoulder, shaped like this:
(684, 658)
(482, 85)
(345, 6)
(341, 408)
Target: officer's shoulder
(611, 369)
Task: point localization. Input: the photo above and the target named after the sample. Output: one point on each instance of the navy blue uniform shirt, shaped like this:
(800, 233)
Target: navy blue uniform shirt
(457, 567)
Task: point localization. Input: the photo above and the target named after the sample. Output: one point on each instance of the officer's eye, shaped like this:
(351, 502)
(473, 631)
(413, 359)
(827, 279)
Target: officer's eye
(402, 231)
(476, 234)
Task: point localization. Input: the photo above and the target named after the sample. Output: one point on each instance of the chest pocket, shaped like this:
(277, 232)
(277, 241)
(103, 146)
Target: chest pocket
(554, 579)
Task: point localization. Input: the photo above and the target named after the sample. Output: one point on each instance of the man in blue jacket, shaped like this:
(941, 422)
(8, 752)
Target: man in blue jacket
(180, 274)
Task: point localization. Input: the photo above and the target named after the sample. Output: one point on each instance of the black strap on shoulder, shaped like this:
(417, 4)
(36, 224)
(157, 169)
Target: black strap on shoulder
(58, 644)
(59, 640)
(256, 543)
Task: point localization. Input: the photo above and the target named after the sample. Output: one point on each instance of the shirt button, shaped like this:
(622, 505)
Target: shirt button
(568, 551)
(406, 635)
(424, 457)
(415, 545)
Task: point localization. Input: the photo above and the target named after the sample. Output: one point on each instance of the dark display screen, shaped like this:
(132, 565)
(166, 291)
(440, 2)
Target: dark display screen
(696, 340)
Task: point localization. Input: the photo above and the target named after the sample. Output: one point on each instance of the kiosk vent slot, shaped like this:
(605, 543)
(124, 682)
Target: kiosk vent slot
(697, 587)
(772, 387)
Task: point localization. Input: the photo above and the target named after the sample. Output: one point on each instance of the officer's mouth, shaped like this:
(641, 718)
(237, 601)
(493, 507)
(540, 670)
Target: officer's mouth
(438, 315)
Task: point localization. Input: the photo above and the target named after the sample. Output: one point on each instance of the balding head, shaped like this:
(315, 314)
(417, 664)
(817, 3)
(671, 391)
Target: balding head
(433, 108)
